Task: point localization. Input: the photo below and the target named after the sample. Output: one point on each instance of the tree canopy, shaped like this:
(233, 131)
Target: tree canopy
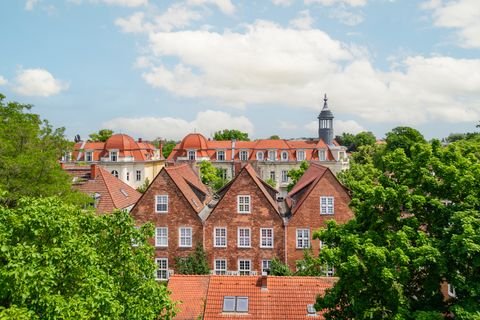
(353, 142)
(101, 136)
(417, 224)
(213, 177)
(296, 174)
(61, 262)
(167, 147)
(230, 134)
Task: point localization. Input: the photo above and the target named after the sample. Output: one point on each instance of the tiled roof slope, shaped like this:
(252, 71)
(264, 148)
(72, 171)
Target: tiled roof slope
(190, 292)
(114, 194)
(283, 298)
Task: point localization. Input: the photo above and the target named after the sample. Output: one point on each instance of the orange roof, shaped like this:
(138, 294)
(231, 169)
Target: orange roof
(190, 292)
(283, 298)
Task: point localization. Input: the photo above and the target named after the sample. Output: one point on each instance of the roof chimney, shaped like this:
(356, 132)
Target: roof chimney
(93, 171)
(139, 139)
(264, 281)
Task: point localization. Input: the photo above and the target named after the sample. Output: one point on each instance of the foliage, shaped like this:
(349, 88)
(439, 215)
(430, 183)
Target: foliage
(230, 134)
(61, 262)
(278, 268)
(296, 174)
(144, 186)
(310, 265)
(272, 183)
(101, 136)
(353, 142)
(194, 263)
(462, 136)
(274, 137)
(29, 151)
(167, 147)
(417, 222)
(211, 176)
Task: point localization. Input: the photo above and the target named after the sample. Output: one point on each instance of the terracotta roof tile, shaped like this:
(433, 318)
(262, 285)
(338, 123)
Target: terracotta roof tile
(190, 292)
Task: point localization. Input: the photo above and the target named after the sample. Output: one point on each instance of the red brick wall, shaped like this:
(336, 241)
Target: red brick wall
(180, 214)
(308, 215)
(262, 215)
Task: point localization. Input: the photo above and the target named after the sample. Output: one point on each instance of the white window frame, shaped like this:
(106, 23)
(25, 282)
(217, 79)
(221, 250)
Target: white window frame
(162, 202)
(161, 237)
(113, 155)
(243, 271)
(161, 273)
(243, 155)
(329, 271)
(266, 265)
(284, 175)
(270, 153)
(322, 155)
(284, 156)
(220, 271)
(185, 239)
(138, 175)
(341, 155)
(260, 155)
(245, 240)
(244, 204)
(273, 176)
(220, 241)
(327, 205)
(302, 238)
(301, 155)
(89, 156)
(221, 155)
(190, 153)
(266, 239)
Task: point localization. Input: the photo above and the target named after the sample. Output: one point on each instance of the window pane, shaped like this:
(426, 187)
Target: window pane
(242, 304)
(229, 304)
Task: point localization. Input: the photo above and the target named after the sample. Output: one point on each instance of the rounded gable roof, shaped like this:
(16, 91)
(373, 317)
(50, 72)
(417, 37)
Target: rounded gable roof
(120, 142)
(194, 141)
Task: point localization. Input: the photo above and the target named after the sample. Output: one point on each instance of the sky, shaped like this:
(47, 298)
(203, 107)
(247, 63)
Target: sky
(156, 68)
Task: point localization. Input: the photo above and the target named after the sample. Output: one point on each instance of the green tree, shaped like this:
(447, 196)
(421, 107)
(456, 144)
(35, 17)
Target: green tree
(230, 134)
(353, 142)
(194, 263)
(144, 186)
(29, 153)
(211, 176)
(403, 138)
(101, 136)
(61, 262)
(278, 268)
(346, 139)
(167, 147)
(272, 183)
(274, 137)
(296, 174)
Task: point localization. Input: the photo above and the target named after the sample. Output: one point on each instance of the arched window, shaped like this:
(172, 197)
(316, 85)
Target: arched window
(284, 155)
(115, 173)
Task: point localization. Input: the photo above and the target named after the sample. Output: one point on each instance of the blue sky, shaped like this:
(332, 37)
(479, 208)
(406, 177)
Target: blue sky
(166, 68)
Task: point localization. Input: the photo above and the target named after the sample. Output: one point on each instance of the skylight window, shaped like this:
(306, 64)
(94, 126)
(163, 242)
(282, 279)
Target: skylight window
(124, 192)
(311, 309)
(235, 304)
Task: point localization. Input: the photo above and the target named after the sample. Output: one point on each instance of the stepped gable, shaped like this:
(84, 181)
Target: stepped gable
(190, 185)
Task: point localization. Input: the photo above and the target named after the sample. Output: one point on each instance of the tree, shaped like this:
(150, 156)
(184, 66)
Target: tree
(194, 263)
(29, 151)
(296, 174)
(416, 224)
(274, 137)
(353, 142)
(144, 186)
(211, 176)
(278, 268)
(61, 262)
(272, 183)
(346, 139)
(168, 147)
(101, 136)
(230, 134)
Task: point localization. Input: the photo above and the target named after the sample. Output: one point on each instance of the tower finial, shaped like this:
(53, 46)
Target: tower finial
(325, 99)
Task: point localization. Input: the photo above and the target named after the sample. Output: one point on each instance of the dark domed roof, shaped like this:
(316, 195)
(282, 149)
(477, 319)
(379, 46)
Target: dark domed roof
(194, 141)
(325, 113)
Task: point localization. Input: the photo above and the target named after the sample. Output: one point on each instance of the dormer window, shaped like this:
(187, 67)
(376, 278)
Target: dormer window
(284, 156)
(114, 156)
(221, 155)
(192, 155)
(272, 155)
(300, 155)
(235, 304)
(243, 155)
(260, 155)
(89, 156)
(114, 173)
(321, 155)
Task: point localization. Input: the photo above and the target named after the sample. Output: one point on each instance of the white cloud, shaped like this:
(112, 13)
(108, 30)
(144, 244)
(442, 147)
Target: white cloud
(132, 24)
(3, 81)
(303, 20)
(346, 16)
(270, 65)
(38, 82)
(123, 3)
(287, 125)
(283, 3)
(30, 4)
(353, 3)
(206, 122)
(340, 126)
(462, 15)
(226, 6)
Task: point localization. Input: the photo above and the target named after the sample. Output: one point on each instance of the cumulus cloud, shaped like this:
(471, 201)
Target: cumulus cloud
(340, 126)
(462, 15)
(123, 3)
(303, 20)
(345, 16)
(283, 3)
(206, 122)
(37, 82)
(3, 81)
(353, 3)
(226, 6)
(267, 64)
(30, 4)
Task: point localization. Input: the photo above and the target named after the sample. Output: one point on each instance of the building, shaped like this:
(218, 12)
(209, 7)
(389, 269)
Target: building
(271, 159)
(172, 203)
(131, 161)
(249, 297)
(108, 193)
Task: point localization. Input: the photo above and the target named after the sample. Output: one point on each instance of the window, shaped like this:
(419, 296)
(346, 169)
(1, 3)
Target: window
(128, 176)
(89, 156)
(300, 155)
(244, 237)
(341, 155)
(134, 239)
(114, 173)
(220, 266)
(113, 156)
(220, 237)
(244, 155)
(266, 264)
(260, 155)
(329, 271)
(244, 267)
(161, 237)
(326, 205)
(185, 237)
(161, 203)
(303, 238)
(222, 173)
(284, 156)
(138, 175)
(272, 155)
(321, 155)
(243, 204)
(162, 269)
(272, 175)
(311, 309)
(266, 238)
(221, 155)
(284, 175)
(235, 304)
(192, 155)
(451, 291)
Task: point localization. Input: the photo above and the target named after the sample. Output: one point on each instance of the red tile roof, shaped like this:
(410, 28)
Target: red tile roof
(283, 298)
(190, 293)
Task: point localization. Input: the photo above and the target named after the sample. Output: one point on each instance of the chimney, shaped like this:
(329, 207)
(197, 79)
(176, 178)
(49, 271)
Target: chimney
(139, 139)
(264, 281)
(93, 171)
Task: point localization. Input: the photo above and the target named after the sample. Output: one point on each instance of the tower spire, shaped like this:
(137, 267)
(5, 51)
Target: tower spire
(325, 123)
(325, 99)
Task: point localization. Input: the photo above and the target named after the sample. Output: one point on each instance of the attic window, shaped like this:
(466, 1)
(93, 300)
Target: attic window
(311, 310)
(124, 192)
(235, 304)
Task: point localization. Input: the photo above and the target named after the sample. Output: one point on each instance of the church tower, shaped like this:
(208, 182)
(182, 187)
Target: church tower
(325, 123)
